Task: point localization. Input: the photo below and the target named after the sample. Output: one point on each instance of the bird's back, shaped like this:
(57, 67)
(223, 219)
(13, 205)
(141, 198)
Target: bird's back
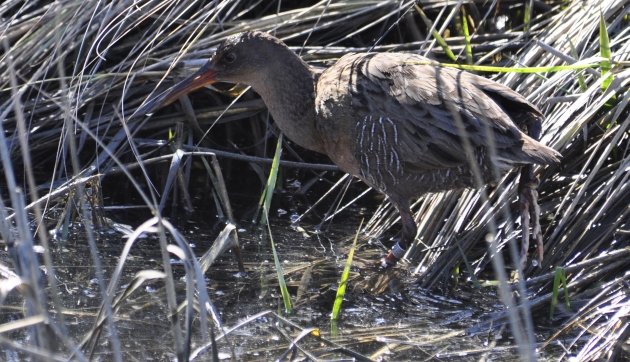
(416, 127)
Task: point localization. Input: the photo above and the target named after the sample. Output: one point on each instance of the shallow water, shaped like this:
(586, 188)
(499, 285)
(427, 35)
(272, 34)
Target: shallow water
(385, 315)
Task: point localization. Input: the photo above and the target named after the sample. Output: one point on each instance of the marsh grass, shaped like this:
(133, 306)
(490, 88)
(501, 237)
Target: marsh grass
(343, 281)
(73, 74)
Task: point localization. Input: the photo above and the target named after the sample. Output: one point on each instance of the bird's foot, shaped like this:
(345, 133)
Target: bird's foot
(388, 261)
(391, 259)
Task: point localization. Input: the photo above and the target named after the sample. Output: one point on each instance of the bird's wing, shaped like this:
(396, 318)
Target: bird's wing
(436, 111)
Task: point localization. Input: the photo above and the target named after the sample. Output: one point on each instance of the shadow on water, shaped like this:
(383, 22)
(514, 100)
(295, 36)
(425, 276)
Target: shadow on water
(385, 316)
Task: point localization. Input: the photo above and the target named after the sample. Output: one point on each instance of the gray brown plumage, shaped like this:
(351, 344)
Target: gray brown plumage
(400, 122)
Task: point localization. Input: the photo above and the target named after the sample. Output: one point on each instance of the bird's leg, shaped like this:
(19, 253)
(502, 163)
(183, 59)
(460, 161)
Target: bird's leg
(409, 231)
(530, 213)
(528, 199)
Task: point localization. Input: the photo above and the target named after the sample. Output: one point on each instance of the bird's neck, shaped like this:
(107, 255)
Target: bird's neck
(288, 90)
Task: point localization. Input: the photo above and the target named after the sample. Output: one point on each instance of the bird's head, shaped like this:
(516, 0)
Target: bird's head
(241, 58)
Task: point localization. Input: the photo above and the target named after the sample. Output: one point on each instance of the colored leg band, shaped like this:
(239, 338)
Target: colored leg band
(397, 251)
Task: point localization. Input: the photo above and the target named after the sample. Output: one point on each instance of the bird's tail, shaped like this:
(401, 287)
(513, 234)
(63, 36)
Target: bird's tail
(535, 152)
(530, 152)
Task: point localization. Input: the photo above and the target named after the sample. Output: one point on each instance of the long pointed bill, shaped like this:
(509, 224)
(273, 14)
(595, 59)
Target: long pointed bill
(202, 77)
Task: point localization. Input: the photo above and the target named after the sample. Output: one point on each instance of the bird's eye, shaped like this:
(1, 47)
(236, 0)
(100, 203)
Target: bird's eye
(229, 58)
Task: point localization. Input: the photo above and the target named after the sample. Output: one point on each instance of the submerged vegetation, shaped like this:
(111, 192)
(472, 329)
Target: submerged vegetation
(78, 163)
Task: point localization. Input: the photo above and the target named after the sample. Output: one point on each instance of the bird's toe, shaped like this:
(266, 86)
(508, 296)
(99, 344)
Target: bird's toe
(388, 261)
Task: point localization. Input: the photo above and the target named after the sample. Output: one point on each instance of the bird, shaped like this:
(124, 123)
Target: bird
(400, 122)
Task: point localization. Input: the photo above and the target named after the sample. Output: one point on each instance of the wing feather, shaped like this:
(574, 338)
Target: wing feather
(427, 102)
